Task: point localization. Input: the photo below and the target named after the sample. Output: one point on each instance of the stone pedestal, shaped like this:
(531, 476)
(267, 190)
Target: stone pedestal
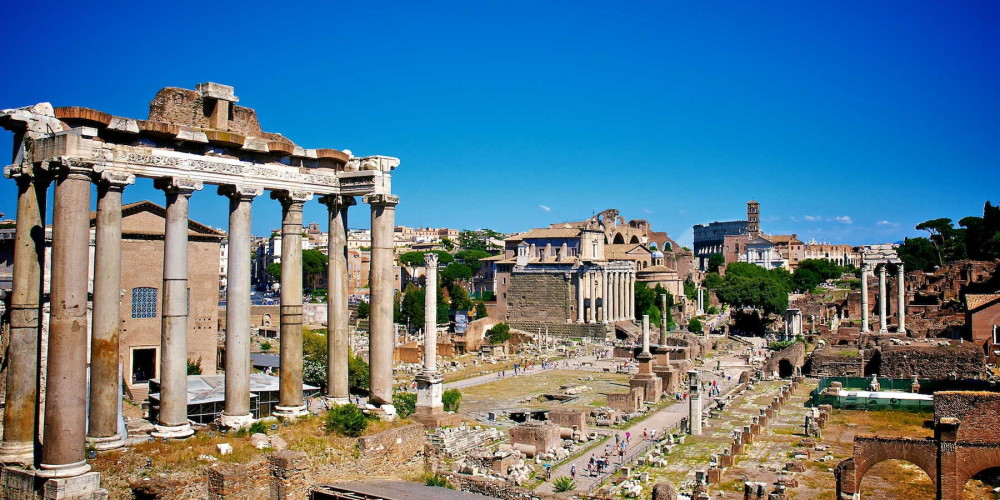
(20, 484)
(649, 382)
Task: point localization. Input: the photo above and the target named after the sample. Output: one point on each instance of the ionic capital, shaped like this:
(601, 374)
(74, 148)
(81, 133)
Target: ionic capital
(70, 167)
(336, 203)
(240, 192)
(431, 259)
(382, 200)
(293, 199)
(113, 180)
(178, 185)
(23, 172)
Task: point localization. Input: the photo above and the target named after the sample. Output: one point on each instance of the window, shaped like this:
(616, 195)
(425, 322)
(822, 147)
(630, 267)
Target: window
(143, 302)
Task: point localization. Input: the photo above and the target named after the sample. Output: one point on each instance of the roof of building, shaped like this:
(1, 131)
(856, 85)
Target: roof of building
(148, 206)
(975, 301)
(622, 251)
(396, 490)
(784, 238)
(261, 359)
(760, 240)
(212, 388)
(546, 232)
(493, 258)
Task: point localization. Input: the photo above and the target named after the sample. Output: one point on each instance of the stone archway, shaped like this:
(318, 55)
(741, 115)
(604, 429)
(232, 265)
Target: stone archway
(634, 240)
(785, 368)
(619, 239)
(870, 451)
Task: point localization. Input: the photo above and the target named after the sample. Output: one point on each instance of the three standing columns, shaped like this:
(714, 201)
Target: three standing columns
(236, 412)
(382, 335)
(25, 317)
(65, 427)
(338, 337)
(290, 400)
(105, 375)
(172, 419)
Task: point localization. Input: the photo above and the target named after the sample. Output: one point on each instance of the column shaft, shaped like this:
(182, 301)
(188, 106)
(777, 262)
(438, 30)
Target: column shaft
(579, 297)
(864, 298)
(105, 403)
(19, 421)
(901, 285)
(881, 299)
(236, 412)
(430, 313)
(591, 298)
(66, 378)
(382, 334)
(337, 314)
(290, 401)
(172, 417)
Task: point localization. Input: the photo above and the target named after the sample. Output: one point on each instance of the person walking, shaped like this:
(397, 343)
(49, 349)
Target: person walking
(572, 472)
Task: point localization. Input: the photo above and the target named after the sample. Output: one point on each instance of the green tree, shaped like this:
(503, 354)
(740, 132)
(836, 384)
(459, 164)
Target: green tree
(918, 254)
(451, 399)
(456, 271)
(194, 367)
(447, 243)
(364, 309)
(481, 311)
(314, 264)
(948, 241)
(411, 311)
(690, 289)
(416, 259)
(715, 261)
(498, 333)
(749, 285)
(460, 300)
(274, 271)
(358, 374)
(695, 325)
(471, 258)
(712, 281)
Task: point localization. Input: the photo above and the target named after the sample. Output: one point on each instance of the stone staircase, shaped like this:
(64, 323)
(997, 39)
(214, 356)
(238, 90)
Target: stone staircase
(564, 330)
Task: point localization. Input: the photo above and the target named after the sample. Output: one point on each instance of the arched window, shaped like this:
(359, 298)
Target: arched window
(143, 302)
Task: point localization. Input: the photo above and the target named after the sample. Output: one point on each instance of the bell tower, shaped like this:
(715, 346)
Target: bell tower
(753, 218)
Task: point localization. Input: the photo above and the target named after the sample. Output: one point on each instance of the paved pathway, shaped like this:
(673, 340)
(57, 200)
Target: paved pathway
(664, 419)
(492, 377)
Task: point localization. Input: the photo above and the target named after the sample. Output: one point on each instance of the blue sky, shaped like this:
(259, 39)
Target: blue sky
(849, 121)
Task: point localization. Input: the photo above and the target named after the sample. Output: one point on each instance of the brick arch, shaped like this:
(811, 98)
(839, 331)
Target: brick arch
(869, 451)
(972, 461)
(618, 239)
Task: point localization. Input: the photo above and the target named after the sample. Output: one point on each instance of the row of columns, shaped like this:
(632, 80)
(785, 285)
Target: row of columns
(883, 297)
(614, 289)
(67, 424)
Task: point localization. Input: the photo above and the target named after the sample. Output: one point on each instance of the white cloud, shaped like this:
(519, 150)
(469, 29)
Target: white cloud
(794, 219)
(810, 218)
(844, 219)
(545, 208)
(885, 223)
(647, 211)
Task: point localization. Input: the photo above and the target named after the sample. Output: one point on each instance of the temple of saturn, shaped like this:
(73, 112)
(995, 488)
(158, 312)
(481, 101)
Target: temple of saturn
(191, 138)
(877, 258)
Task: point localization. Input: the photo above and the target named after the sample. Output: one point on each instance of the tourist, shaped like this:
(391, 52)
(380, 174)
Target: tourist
(644, 434)
(572, 472)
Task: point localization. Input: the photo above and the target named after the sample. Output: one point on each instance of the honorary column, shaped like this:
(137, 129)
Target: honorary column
(236, 413)
(901, 285)
(580, 280)
(290, 401)
(172, 420)
(338, 338)
(882, 327)
(864, 298)
(105, 381)
(25, 315)
(65, 428)
(382, 335)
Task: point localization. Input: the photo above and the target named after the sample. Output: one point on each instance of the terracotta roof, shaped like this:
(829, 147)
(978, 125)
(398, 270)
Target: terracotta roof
(784, 238)
(759, 240)
(621, 251)
(546, 232)
(657, 269)
(975, 301)
(493, 258)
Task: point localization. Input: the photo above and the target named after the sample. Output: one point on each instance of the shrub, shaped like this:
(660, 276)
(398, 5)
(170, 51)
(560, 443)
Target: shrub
(405, 403)
(194, 367)
(265, 346)
(563, 483)
(695, 325)
(346, 420)
(451, 399)
(499, 333)
(438, 481)
(358, 374)
(258, 428)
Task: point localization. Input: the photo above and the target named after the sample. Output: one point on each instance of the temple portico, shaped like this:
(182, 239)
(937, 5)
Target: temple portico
(876, 259)
(191, 138)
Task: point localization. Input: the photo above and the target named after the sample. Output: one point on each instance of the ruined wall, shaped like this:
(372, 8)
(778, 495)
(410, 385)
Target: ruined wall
(836, 362)
(954, 362)
(495, 488)
(406, 441)
(544, 297)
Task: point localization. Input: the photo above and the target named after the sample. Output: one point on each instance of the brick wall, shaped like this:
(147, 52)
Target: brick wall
(544, 297)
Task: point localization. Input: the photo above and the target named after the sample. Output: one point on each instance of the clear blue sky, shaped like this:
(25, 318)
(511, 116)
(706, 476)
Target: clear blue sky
(511, 115)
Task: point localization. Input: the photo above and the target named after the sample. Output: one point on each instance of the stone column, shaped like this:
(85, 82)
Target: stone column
(65, 427)
(172, 420)
(236, 413)
(622, 296)
(694, 400)
(882, 328)
(105, 378)
(595, 295)
(430, 383)
(580, 280)
(630, 291)
(901, 285)
(645, 335)
(864, 298)
(382, 337)
(663, 319)
(337, 314)
(19, 422)
(290, 401)
(603, 277)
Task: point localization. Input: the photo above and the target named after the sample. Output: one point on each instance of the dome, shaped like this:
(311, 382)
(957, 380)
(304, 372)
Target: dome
(657, 254)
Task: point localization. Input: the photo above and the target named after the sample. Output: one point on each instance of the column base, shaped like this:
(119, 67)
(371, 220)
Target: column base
(883, 330)
(332, 401)
(17, 452)
(433, 417)
(290, 411)
(106, 443)
(64, 470)
(235, 421)
(172, 431)
(902, 331)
